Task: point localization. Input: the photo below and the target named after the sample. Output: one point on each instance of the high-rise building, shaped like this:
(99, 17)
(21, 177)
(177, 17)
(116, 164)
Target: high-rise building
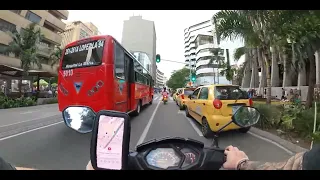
(139, 35)
(160, 79)
(77, 30)
(50, 24)
(199, 43)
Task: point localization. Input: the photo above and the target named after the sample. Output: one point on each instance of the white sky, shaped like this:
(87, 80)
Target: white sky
(170, 25)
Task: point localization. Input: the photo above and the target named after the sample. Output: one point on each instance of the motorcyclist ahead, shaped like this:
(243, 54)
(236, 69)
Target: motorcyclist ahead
(164, 92)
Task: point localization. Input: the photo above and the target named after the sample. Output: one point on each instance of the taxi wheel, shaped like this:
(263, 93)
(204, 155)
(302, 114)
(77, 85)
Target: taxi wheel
(244, 130)
(205, 128)
(187, 112)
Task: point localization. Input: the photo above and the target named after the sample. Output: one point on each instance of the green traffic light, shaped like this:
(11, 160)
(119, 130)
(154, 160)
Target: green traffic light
(193, 77)
(158, 58)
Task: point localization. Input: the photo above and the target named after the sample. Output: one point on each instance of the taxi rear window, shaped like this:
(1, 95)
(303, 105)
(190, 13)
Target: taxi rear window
(188, 91)
(230, 93)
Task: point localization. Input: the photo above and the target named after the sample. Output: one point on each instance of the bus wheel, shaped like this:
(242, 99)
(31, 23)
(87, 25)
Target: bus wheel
(151, 100)
(138, 109)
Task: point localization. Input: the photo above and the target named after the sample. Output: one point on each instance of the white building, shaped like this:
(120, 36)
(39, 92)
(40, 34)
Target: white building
(198, 43)
(160, 79)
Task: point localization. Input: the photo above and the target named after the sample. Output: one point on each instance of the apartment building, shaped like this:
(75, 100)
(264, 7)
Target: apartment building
(139, 35)
(199, 41)
(77, 30)
(160, 79)
(50, 24)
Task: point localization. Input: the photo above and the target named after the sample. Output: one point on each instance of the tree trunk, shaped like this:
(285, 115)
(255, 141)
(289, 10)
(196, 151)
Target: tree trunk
(275, 68)
(254, 83)
(312, 81)
(263, 77)
(246, 73)
(268, 72)
(287, 69)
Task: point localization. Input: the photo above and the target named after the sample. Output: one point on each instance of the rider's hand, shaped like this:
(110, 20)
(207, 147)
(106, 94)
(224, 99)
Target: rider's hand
(234, 157)
(89, 166)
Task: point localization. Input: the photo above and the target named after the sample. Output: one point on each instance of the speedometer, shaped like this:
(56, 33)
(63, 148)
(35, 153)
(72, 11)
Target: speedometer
(163, 158)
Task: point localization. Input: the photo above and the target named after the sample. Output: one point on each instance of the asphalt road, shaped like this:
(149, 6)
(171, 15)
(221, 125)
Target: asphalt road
(46, 143)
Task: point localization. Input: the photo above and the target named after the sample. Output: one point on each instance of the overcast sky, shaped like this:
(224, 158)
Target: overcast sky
(170, 25)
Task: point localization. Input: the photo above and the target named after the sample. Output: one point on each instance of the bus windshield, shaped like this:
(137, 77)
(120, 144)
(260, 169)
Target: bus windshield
(83, 55)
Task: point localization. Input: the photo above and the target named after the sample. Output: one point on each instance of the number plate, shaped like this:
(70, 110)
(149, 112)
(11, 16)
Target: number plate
(234, 109)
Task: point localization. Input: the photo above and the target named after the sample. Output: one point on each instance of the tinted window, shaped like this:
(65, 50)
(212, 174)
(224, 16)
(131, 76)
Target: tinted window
(6, 26)
(119, 61)
(188, 91)
(204, 93)
(195, 94)
(229, 93)
(3, 49)
(83, 55)
(33, 17)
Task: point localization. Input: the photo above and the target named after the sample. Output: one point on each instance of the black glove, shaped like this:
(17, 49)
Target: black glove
(311, 159)
(5, 166)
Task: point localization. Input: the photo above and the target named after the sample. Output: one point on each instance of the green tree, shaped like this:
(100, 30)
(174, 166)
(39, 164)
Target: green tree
(24, 46)
(55, 56)
(179, 78)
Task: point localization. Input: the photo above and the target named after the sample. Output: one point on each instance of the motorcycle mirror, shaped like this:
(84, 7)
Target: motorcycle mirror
(79, 118)
(246, 116)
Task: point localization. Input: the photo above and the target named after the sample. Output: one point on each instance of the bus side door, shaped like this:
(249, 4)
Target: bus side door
(129, 75)
(121, 84)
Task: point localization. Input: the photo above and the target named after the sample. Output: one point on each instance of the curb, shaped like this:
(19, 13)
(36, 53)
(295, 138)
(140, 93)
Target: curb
(284, 144)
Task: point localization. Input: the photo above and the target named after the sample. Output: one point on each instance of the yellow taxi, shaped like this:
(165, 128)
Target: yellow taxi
(182, 97)
(213, 106)
(175, 94)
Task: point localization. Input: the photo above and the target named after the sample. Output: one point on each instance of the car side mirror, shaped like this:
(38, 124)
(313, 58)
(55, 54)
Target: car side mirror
(190, 96)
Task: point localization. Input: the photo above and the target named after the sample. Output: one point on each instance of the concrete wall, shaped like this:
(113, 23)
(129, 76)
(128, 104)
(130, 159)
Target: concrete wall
(139, 35)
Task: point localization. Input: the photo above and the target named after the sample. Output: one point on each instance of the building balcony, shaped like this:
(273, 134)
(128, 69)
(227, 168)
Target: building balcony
(204, 46)
(64, 14)
(44, 50)
(20, 21)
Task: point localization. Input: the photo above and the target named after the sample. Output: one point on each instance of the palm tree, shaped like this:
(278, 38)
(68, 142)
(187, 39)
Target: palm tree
(24, 46)
(55, 56)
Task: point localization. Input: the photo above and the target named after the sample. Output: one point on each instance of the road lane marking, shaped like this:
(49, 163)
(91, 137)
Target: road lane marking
(43, 117)
(31, 130)
(146, 129)
(272, 142)
(28, 112)
(155, 98)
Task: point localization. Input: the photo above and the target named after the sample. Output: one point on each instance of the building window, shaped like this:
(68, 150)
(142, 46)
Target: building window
(16, 11)
(83, 34)
(119, 61)
(6, 26)
(33, 17)
(3, 49)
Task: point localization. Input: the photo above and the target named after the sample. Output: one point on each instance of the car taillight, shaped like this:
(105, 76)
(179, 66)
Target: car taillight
(182, 96)
(250, 102)
(217, 103)
(165, 96)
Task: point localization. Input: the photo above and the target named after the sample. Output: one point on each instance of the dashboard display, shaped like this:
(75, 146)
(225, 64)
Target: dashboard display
(163, 158)
(191, 157)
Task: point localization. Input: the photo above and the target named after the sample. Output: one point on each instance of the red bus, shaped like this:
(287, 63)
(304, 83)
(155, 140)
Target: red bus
(98, 72)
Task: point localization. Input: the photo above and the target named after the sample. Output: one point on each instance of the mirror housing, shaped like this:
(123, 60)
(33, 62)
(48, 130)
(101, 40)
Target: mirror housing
(246, 116)
(79, 118)
(190, 96)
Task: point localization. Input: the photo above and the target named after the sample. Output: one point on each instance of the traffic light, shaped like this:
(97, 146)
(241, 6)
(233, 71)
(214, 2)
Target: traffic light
(158, 58)
(193, 77)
